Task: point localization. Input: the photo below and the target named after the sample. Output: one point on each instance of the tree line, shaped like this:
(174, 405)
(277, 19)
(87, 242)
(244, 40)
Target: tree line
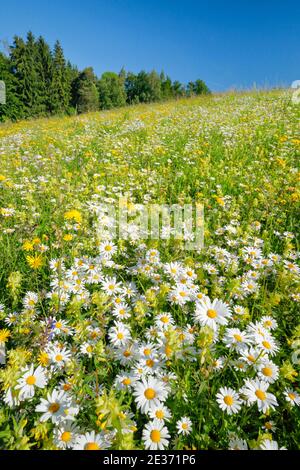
(41, 82)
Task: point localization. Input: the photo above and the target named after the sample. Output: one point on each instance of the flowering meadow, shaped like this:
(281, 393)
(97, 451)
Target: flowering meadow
(111, 343)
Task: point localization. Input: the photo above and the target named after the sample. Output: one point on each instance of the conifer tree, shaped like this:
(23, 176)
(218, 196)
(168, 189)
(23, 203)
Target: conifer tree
(23, 66)
(60, 89)
(44, 71)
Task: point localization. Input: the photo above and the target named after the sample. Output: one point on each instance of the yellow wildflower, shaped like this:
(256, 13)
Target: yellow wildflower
(4, 335)
(35, 262)
(73, 214)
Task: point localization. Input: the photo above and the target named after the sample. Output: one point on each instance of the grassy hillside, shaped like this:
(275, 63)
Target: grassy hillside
(125, 331)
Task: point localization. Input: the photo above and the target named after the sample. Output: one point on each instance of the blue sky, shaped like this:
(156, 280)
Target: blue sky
(227, 43)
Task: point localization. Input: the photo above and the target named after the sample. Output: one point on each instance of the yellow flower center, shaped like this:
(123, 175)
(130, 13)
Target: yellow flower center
(126, 381)
(120, 336)
(268, 425)
(267, 371)
(54, 407)
(150, 393)
(184, 426)
(89, 349)
(91, 446)
(182, 293)
(155, 435)
(108, 248)
(164, 319)
(58, 358)
(147, 351)
(66, 387)
(251, 358)
(228, 400)
(150, 363)
(159, 414)
(238, 337)
(66, 436)
(211, 313)
(261, 395)
(111, 287)
(266, 344)
(168, 350)
(126, 353)
(31, 380)
(292, 396)
(58, 325)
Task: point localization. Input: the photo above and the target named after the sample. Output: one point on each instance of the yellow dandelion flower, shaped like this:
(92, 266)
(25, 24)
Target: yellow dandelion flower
(43, 359)
(27, 245)
(35, 262)
(73, 214)
(4, 335)
(68, 237)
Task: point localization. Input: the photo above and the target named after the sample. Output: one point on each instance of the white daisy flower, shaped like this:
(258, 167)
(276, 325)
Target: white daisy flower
(121, 311)
(236, 339)
(119, 334)
(65, 435)
(125, 381)
(256, 392)
(212, 314)
(184, 426)
(30, 300)
(228, 400)
(87, 349)
(92, 441)
(107, 249)
(163, 321)
(267, 444)
(155, 435)
(111, 286)
(268, 371)
(53, 407)
(237, 444)
(149, 393)
(59, 356)
(268, 322)
(267, 344)
(30, 379)
(292, 397)
(161, 413)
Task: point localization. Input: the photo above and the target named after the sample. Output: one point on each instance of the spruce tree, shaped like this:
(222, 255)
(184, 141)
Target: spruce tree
(44, 71)
(23, 66)
(60, 88)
